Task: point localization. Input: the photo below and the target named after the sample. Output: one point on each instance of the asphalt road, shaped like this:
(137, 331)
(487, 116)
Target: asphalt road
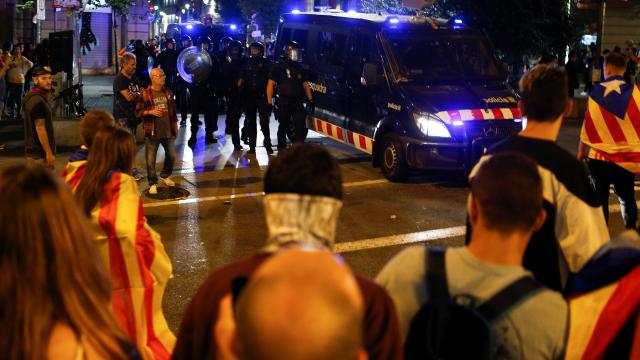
(222, 219)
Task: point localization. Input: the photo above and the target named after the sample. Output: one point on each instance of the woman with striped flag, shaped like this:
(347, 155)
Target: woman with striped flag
(138, 263)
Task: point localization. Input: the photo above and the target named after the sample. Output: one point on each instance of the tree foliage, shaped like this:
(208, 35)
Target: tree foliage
(27, 5)
(268, 12)
(229, 10)
(119, 7)
(515, 27)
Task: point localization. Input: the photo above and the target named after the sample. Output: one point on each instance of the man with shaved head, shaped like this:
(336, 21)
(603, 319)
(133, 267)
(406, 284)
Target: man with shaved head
(157, 108)
(303, 187)
(314, 312)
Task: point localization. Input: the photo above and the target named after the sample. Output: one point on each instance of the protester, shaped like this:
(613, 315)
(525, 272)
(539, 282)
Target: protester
(54, 294)
(5, 58)
(39, 139)
(572, 68)
(126, 92)
(304, 188)
(299, 304)
(611, 129)
(503, 217)
(158, 109)
(138, 263)
(575, 227)
(92, 122)
(18, 67)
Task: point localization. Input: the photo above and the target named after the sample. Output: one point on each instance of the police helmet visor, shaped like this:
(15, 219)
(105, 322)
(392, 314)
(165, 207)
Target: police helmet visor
(256, 51)
(293, 54)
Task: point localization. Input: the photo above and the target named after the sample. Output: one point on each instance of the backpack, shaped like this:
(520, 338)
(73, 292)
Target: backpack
(458, 328)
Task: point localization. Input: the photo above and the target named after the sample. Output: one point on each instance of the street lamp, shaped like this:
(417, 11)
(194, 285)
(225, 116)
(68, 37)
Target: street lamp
(184, 11)
(186, 6)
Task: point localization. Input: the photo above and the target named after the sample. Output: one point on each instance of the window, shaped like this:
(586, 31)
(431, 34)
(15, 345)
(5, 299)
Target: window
(331, 48)
(300, 36)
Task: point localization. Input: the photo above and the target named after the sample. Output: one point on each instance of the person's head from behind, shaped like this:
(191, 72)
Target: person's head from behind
(50, 275)
(615, 64)
(506, 197)
(304, 169)
(544, 94)
(300, 305)
(129, 64)
(113, 150)
(92, 122)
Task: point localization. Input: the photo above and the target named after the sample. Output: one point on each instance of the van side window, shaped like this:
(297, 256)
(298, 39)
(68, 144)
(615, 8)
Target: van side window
(300, 36)
(331, 48)
(282, 41)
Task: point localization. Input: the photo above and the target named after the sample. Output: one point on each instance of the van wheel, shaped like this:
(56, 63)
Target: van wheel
(392, 160)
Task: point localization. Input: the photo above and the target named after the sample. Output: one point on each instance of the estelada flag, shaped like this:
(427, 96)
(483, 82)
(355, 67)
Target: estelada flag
(74, 170)
(138, 265)
(611, 127)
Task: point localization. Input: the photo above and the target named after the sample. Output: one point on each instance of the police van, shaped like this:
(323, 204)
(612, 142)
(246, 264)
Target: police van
(414, 92)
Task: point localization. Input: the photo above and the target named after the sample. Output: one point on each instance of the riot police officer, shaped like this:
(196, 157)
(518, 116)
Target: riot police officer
(292, 88)
(142, 62)
(253, 85)
(203, 99)
(224, 45)
(230, 73)
(182, 95)
(167, 61)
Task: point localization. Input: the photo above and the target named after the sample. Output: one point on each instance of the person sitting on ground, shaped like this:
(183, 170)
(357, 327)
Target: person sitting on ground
(157, 108)
(303, 187)
(54, 295)
(503, 217)
(92, 122)
(575, 228)
(299, 304)
(139, 265)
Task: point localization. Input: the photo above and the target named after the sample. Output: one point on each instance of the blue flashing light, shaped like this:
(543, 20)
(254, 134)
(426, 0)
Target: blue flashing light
(458, 123)
(393, 20)
(295, 11)
(517, 120)
(233, 27)
(189, 26)
(457, 21)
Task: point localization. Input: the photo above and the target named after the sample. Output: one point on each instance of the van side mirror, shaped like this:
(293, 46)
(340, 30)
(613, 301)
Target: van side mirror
(369, 74)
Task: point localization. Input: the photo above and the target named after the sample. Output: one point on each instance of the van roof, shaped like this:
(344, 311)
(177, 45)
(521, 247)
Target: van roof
(377, 19)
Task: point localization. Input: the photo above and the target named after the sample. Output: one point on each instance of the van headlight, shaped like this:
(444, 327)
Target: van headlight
(431, 125)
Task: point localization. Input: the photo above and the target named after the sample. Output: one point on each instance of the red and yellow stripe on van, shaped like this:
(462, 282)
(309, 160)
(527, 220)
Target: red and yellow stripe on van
(359, 141)
(478, 114)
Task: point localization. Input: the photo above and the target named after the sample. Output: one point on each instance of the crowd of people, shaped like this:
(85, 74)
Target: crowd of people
(539, 277)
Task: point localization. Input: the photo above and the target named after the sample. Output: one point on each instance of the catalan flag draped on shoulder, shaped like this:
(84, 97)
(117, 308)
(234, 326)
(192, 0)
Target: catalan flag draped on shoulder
(74, 170)
(605, 308)
(611, 126)
(138, 264)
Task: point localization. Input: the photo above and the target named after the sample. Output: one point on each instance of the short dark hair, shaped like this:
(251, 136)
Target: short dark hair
(304, 169)
(94, 121)
(544, 92)
(617, 60)
(508, 191)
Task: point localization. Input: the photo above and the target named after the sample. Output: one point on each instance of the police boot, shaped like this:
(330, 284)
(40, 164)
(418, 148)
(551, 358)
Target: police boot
(244, 136)
(267, 147)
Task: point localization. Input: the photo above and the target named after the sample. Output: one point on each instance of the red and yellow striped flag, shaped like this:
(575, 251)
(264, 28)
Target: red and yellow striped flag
(138, 263)
(73, 172)
(611, 127)
(597, 317)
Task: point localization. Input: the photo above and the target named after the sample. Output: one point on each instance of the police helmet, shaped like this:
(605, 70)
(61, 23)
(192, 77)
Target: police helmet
(170, 41)
(204, 42)
(185, 39)
(224, 43)
(293, 51)
(138, 45)
(234, 51)
(256, 49)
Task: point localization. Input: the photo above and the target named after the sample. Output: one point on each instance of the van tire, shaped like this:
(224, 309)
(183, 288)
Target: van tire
(392, 160)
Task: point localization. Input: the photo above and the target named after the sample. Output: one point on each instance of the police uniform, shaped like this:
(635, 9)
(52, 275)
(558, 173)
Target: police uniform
(230, 73)
(254, 76)
(204, 101)
(182, 87)
(290, 77)
(167, 61)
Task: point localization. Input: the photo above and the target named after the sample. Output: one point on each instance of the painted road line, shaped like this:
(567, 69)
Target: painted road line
(403, 239)
(245, 195)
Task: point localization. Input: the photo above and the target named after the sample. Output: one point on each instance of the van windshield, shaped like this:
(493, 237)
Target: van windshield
(442, 58)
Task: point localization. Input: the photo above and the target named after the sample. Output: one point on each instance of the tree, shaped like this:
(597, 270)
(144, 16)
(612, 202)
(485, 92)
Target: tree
(268, 13)
(229, 10)
(118, 8)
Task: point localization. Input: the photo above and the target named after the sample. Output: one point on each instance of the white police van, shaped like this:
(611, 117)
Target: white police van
(414, 92)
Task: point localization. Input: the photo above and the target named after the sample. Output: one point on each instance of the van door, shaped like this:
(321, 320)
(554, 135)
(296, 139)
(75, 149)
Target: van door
(329, 85)
(367, 106)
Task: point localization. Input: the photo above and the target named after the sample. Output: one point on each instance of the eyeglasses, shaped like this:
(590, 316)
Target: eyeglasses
(160, 76)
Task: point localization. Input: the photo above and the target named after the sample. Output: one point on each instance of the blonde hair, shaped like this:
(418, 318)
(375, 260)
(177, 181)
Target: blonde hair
(51, 269)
